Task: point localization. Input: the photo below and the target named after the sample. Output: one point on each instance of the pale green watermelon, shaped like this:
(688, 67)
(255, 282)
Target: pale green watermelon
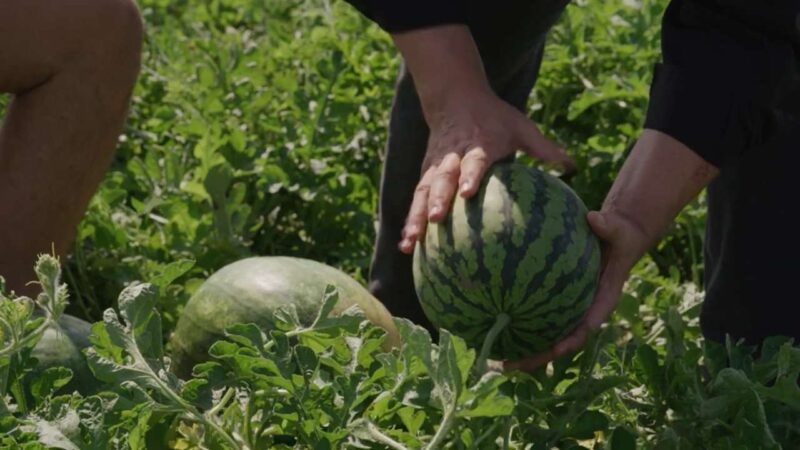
(252, 289)
(62, 345)
(520, 246)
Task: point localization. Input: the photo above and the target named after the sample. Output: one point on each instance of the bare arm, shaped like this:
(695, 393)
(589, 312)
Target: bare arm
(445, 63)
(470, 127)
(658, 179)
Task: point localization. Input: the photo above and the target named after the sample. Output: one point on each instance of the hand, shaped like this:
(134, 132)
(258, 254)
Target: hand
(659, 177)
(467, 136)
(623, 243)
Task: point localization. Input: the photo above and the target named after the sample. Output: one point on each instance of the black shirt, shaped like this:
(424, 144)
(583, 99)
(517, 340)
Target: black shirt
(720, 57)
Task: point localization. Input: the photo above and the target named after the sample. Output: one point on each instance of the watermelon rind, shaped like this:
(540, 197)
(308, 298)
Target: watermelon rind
(520, 246)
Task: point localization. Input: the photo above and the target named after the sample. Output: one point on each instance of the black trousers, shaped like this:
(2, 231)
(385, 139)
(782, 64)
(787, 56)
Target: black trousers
(752, 247)
(510, 40)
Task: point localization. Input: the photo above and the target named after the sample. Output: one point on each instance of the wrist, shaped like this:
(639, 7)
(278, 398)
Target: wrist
(639, 234)
(445, 65)
(659, 177)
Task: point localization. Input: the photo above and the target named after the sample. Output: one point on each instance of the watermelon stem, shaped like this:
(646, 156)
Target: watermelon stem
(500, 323)
(376, 434)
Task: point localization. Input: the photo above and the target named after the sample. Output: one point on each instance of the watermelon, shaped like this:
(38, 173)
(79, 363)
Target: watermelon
(519, 253)
(62, 345)
(252, 289)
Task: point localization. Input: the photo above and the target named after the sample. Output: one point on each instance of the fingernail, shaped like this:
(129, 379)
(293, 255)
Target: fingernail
(435, 210)
(465, 186)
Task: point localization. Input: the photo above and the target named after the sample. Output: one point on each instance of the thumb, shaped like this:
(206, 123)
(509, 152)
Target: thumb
(537, 146)
(607, 226)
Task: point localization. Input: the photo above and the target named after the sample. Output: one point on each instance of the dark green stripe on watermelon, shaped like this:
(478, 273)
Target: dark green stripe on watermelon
(520, 246)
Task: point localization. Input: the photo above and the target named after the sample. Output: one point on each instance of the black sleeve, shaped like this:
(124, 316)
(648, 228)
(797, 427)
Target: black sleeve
(719, 78)
(397, 16)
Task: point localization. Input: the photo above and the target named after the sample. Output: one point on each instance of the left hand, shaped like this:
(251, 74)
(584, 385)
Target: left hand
(470, 126)
(471, 132)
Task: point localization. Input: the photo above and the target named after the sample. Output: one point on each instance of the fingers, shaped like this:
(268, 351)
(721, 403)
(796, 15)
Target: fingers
(537, 146)
(473, 167)
(529, 364)
(417, 219)
(607, 226)
(607, 296)
(599, 224)
(569, 345)
(443, 187)
(573, 342)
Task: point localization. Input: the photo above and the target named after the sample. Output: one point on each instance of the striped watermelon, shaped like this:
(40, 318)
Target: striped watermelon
(521, 248)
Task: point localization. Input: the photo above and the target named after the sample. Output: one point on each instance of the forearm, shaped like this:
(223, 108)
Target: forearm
(445, 64)
(660, 176)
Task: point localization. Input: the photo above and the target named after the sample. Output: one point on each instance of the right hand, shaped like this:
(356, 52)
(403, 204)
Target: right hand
(623, 243)
(471, 131)
(659, 177)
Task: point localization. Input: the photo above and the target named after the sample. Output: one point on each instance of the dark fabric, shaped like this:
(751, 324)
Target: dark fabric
(396, 16)
(752, 245)
(780, 18)
(774, 16)
(511, 48)
(718, 77)
(729, 89)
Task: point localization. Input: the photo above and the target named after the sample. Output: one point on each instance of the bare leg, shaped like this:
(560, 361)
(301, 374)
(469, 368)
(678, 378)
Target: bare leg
(70, 66)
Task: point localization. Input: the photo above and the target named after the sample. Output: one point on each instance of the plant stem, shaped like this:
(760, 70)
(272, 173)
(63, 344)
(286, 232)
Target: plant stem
(444, 429)
(500, 324)
(246, 425)
(486, 434)
(381, 438)
(507, 434)
(222, 403)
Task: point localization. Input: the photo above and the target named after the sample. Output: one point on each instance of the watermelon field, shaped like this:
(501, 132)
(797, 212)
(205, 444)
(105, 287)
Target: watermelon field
(257, 131)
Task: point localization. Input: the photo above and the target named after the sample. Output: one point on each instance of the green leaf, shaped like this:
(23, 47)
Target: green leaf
(412, 418)
(137, 439)
(307, 360)
(447, 374)
(49, 381)
(417, 343)
(58, 434)
(137, 304)
(329, 301)
(170, 273)
(647, 363)
(92, 412)
(139, 341)
(622, 439)
(484, 399)
(249, 335)
(217, 182)
(587, 424)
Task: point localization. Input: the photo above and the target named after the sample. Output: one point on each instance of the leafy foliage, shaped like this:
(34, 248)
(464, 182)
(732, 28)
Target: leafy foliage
(257, 128)
(330, 385)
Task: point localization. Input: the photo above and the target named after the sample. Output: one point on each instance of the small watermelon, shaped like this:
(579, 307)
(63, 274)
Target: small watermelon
(521, 248)
(252, 289)
(62, 345)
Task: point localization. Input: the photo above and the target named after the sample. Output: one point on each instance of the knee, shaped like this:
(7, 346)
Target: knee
(124, 31)
(114, 38)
